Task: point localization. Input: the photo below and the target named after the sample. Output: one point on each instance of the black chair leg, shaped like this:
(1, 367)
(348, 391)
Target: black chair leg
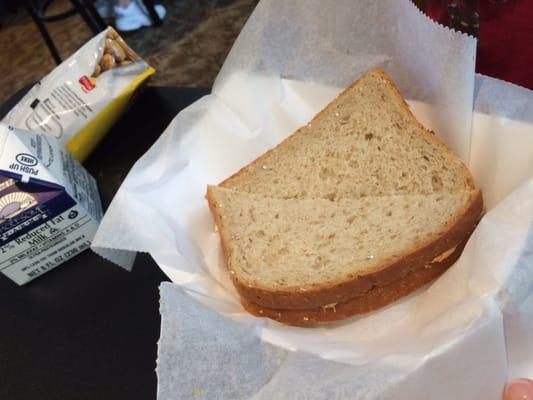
(96, 16)
(44, 33)
(150, 6)
(95, 26)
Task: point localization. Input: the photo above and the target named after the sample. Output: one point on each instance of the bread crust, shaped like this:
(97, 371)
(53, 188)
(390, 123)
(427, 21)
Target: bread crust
(457, 231)
(373, 299)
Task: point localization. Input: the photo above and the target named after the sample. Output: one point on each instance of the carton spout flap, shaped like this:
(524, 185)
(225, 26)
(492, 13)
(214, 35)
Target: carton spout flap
(27, 157)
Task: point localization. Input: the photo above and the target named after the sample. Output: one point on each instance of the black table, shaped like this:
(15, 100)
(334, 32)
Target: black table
(89, 329)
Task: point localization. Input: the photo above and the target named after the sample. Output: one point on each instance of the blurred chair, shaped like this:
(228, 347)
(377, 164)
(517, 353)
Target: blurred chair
(85, 8)
(37, 11)
(150, 6)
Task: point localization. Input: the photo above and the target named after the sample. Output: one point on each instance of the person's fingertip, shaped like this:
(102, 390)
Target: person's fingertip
(519, 389)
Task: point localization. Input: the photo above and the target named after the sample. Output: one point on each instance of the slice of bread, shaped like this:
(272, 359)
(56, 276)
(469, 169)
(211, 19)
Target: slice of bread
(358, 208)
(308, 253)
(366, 142)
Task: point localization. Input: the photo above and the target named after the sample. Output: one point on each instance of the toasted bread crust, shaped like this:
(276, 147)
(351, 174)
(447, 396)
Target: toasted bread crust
(457, 232)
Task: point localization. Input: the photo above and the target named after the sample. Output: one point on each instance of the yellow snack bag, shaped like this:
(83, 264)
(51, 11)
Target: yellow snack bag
(80, 100)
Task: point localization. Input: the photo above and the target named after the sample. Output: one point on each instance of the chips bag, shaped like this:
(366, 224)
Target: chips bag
(84, 96)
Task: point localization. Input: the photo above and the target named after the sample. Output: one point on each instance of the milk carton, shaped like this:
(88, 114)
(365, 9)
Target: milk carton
(49, 204)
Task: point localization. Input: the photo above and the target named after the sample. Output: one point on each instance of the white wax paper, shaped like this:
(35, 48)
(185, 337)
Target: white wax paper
(290, 60)
(501, 157)
(203, 355)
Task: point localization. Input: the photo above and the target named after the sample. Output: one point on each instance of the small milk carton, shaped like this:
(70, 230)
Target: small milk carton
(49, 204)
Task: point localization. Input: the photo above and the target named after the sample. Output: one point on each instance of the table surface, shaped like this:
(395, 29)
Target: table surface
(89, 329)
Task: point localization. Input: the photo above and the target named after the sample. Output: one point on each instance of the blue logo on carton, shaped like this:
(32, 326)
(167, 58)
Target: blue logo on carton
(25, 164)
(24, 207)
(26, 159)
(14, 203)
